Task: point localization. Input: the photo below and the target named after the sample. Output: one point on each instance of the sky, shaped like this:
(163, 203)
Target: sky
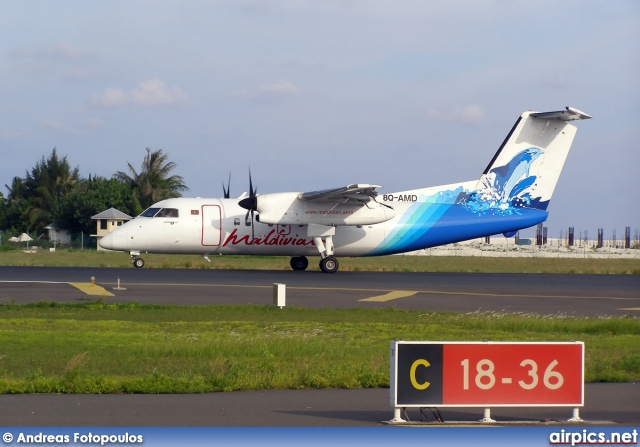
(311, 95)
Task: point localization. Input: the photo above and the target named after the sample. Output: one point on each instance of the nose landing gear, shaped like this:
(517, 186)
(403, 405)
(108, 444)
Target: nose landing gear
(136, 260)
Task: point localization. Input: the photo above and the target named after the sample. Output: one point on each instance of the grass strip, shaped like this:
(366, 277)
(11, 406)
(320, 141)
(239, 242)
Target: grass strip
(401, 263)
(131, 348)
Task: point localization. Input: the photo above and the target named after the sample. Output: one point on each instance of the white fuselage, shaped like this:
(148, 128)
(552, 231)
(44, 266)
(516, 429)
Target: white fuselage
(221, 226)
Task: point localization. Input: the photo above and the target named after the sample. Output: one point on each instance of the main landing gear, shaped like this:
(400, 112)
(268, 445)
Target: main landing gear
(328, 264)
(299, 263)
(323, 238)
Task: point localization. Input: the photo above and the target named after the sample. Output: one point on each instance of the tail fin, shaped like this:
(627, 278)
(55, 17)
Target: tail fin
(526, 168)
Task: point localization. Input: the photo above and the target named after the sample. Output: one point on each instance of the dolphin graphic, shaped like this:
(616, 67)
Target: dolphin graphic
(510, 176)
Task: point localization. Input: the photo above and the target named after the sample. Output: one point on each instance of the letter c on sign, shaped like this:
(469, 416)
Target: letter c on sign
(412, 374)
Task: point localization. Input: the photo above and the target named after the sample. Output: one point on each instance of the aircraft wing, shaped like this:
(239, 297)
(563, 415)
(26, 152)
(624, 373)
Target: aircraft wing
(359, 191)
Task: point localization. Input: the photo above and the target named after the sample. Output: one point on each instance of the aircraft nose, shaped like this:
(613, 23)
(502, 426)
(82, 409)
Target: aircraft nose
(107, 241)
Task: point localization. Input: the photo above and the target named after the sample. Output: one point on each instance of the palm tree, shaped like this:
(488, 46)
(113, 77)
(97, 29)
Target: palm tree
(16, 190)
(153, 183)
(16, 206)
(47, 183)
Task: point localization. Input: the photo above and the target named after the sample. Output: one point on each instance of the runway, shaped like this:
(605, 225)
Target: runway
(604, 404)
(575, 295)
(544, 294)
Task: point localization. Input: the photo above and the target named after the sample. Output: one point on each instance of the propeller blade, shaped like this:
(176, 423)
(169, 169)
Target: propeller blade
(227, 190)
(252, 192)
(253, 235)
(251, 205)
(251, 202)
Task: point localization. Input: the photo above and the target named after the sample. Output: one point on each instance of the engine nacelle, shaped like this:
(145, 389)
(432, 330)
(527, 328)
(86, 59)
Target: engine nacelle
(287, 209)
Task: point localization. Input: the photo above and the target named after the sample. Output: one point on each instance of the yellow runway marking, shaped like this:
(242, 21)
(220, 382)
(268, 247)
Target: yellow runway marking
(390, 296)
(630, 308)
(89, 289)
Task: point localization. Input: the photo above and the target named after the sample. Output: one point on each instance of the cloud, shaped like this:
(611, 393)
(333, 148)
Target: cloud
(61, 51)
(275, 91)
(46, 59)
(555, 81)
(57, 125)
(61, 128)
(9, 134)
(149, 93)
(471, 114)
(80, 73)
(93, 123)
(85, 128)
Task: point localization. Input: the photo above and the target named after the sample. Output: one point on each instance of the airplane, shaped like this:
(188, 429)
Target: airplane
(512, 193)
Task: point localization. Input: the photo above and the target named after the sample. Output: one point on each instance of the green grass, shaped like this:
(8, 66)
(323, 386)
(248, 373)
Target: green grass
(111, 348)
(93, 258)
(117, 348)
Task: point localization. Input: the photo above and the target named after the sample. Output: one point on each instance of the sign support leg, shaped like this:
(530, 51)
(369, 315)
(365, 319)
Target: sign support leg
(576, 416)
(487, 416)
(397, 418)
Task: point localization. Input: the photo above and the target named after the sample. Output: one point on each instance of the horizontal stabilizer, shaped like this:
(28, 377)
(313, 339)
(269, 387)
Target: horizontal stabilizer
(569, 114)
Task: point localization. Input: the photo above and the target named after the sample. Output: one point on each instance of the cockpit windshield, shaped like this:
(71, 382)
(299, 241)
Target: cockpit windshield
(160, 212)
(150, 212)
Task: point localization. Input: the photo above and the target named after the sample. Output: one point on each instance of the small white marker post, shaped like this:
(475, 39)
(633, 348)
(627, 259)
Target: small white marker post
(118, 288)
(279, 295)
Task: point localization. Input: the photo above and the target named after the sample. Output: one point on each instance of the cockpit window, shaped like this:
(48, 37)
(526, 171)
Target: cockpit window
(168, 212)
(160, 212)
(150, 212)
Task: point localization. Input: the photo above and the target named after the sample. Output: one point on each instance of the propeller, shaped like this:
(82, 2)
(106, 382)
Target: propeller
(251, 205)
(227, 190)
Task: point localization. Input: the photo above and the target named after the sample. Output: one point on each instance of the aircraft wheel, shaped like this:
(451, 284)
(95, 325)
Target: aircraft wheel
(138, 263)
(329, 264)
(299, 263)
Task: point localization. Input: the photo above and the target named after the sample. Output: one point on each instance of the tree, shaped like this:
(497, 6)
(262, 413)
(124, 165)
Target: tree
(47, 183)
(17, 190)
(90, 197)
(153, 183)
(16, 207)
